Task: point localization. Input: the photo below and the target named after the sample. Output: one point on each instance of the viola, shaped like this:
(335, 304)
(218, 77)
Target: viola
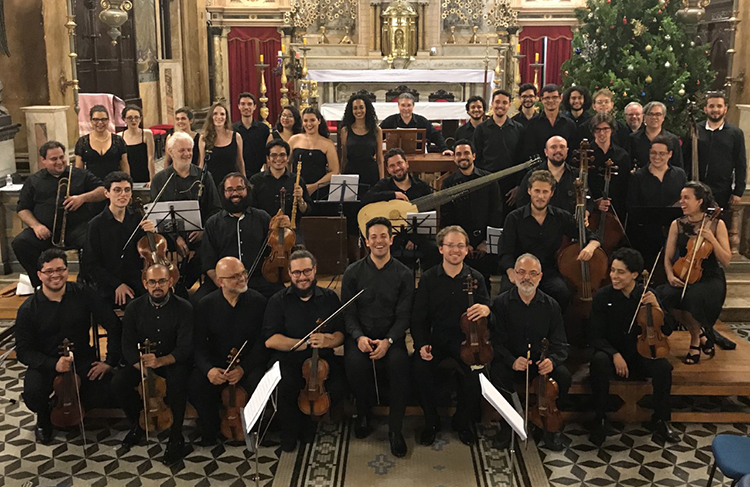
(280, 241)
(476, 349)
(66, 408)
(689, 267)
(313, 399)
(651, 343)
(156, 415)
(233, 399)
(605, 224)
(543, 411)
(153, 249)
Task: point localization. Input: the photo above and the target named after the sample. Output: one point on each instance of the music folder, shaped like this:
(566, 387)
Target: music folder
(493, 240)
(497, 401)
(257, 403)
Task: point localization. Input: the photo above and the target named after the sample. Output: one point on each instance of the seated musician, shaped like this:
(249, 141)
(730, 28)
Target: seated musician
(265, 186)
(189, 183)
(564, 197)
(227, 318)
(56, 311)
(407, 119)
(402, 185)
(439, 303)
(38, 205)
(291, 314)
(376, 327)
(525, 315)
(612, 313)
(701, 305)
(603, 125)
(475, 211)
(115, 270)
(538, 229)
(166, 320)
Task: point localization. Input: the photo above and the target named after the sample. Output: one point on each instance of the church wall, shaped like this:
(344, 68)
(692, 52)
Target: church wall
(195, 53)
(741, 63)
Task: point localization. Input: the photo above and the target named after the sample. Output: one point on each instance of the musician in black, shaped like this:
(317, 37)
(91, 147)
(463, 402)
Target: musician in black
(614, 342)
(564, 196)
(56, 311)
(550, 122)
(407, 119)
(576, 102)
(525, 315)
(408, 245)
(634, 116)
(528, 94)
(290, 315)
(603, 125)
(230, 317)
(37, 206)
(376, 327)
(439, 303)
(604, 102)
(640, 141)
(475, 108)
(166, 320)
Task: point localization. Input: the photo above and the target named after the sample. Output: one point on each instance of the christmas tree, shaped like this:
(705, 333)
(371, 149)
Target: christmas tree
(641, 51)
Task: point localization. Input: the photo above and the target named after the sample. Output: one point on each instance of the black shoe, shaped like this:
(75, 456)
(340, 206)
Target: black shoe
(708, 346)
(429, 433)
(288, 445)
(723, 342)
(208, 440)
(466, 436)
(175, 451)
(43, 434)
(398, 444)
(553, 441)
(134, 436)
(599, 433)
(663, 430)
(362, 427)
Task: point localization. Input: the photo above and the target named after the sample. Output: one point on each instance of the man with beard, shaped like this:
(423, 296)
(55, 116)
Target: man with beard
(634, 116)
(538, 229)
(475, 108)
(166, 320)
(577, 104)
(376, 326)
(253, 132)
(408, 246)
(291, 314)
(602, 125)
(550, 122)
(439, 302)
(58, 310)
(527, 93)
(407, 119)
(556, 152)
(640, 141)
(525, 315)
(475, 211)
(225, 319)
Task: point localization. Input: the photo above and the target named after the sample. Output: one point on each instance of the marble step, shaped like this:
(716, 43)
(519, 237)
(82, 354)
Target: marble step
(737, 303)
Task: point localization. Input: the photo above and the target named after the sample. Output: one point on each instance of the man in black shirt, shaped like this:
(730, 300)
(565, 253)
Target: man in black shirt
(612, 312)
(254, 134)
(640, 141)
(166, 320)
(439, 303)
(604, 103)
(376, 327)
(407, 119)
(37, 206)
(564, 197)
(291, 314)
(634, 116)
(550, 122)
(228, 318)
(603, 125)
(577, 104)
(527, 93)
(476, 109)
(525, 316)
(56, 311)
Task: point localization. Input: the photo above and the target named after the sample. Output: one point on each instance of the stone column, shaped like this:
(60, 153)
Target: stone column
(43, 123)
(739, 236)
(218, 66)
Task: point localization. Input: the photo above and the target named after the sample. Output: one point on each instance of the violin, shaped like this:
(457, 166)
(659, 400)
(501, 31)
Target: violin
(651, 342)
(233, 399)
(66, 408)
(280, 240)
(476, 349)
(689, 267)
(153, 249)
(313, 399)
(544, 412)
(605, 224)
(156, 415)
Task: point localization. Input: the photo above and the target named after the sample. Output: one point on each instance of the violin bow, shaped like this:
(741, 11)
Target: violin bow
(78, 396)
(335, 313)
(645, 288)
(147, 214)
(234, 359)
(526, 416)
(143, 388)
(698, 242)
(375, 376)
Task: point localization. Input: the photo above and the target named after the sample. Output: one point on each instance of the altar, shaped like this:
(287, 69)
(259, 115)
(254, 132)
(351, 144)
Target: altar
(429, 110)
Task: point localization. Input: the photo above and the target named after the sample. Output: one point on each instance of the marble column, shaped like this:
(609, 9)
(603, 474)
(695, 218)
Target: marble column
(219, 64)
(43, 123)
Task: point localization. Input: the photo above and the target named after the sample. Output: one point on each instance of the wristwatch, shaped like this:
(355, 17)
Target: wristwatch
(390, 340)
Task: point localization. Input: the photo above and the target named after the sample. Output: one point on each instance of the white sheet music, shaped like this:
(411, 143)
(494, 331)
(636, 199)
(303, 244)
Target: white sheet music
(337, 187)
(426, 222)
(493, 240)
(258, 400)
(497, 401)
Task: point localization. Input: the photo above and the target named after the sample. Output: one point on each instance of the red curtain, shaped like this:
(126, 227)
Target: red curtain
(246, 44)
(558, 51)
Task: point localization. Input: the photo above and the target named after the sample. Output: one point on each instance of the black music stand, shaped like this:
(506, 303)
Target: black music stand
(177, 216)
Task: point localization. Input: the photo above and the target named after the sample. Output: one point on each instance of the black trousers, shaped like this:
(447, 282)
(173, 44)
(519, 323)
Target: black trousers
(505, 379)
(206, 397)
(125, 383)
(359, 371)
(552, 283)
(28, 248)
(426, 376)
(602, 371)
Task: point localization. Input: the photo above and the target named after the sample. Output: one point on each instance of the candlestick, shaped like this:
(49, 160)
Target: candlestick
(282, 48)
(536, 57)
(263, 99)
(518, 48)
(261, 58)
(304, 41)
(499, 41)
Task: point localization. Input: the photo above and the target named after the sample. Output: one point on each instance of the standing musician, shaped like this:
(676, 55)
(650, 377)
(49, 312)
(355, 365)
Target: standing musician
(576, 101)
(56, 311)
(376, 328)
(407, 119)
(525, 315)
(439, 303)
(115, 272)
(550, 122)
(697, 307)
(538, 229)
(527, 92)
(291, 314)
(38, 207)
(603, 125)
(640, 141)
(614, 342)
(225, 319)
(166, 320)
(564, 197)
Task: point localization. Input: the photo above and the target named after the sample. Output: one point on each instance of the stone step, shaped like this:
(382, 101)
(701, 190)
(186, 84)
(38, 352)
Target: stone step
(739, 265)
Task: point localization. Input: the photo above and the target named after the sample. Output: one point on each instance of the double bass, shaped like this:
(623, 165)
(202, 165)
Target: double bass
(605, 224)
(476, 349)
(233, 399)
(66, 405)
(543, 410)
(156, 415)
(280, 240)
(313, 399)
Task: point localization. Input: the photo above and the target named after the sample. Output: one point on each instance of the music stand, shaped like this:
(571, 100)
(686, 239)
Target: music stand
(411, 141)
(176, 216)
(343, 187)
(255, 410)
(493, 240)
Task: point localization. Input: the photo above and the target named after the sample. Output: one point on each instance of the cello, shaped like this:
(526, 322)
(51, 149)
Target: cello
(313, 399)
(153, 249)
(156, 415)
(689, 267)
(66, 407)
(476, 349)
(233, 399)
(281, 240)
(543, 411)
(605, 224)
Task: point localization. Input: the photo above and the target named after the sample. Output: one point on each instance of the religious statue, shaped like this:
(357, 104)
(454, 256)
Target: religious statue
(323, 39)
(452, 37)
(399, 31)
(474, 37)
(346, 39)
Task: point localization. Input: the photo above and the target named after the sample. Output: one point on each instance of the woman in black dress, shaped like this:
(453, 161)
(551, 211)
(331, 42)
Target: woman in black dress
(289, 123)
(220, 146)
(317, 153)
(361, 141)
(140, 145)
(101, 151)
(699, 309)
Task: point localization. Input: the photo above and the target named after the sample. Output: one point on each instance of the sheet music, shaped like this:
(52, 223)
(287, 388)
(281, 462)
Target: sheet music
(426, 222)
(254, 408)
(493, 240)
(337, 186)
(497, 401)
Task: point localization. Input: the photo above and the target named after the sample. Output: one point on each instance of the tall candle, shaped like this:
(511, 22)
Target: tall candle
(518, 48)
(304, 41)
(499, 41)
(536, 57)
(261, 57)
(282, 48)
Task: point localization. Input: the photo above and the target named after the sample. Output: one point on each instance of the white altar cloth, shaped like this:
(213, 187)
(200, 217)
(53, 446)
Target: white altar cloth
(399, 75)
(429, 110)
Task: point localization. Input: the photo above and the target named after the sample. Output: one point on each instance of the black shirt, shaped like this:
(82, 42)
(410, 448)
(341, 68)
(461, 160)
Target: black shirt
(42, 325)
(417, 122)
(519, 325)
(645, 189)
(439, 302)
(227, 235)
(499, 148)
(170, 327)
(186, 189)
(40, 191)
(253, 145)
(474, 211)
(721, 159)
(640, 146)
(382, 311)
(620, 137)
(265, 188)
(583, 131)
(219, 327)
(565, 193)
(618, 185)
(465, 131)
(539, 131)
(386, 189)
(611, 314)
(520, 117)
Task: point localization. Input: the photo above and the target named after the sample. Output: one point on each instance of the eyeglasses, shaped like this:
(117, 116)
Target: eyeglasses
(531, 274)
(456, 246)
(550, 98)
(237, 277)
(603, 129)
(658, 153)
(133, 118)
(51, 272)
(154, 283)
(278, 156)
(238, 189)
(605, 101)
(307, 272)
(121, 190)
(527, 97)
(286, 115)
(657, 115)
(100, 120)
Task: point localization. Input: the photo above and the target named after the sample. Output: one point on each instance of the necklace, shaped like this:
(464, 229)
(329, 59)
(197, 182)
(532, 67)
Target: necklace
(100, 140)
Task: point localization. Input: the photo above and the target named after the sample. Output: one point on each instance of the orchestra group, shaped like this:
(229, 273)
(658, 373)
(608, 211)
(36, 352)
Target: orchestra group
(199, 315)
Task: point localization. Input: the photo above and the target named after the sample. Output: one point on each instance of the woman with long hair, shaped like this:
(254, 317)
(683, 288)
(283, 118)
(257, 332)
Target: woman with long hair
(140, 145)
(101, 151)
(220, 146)
(361, 139)
(317, 153)
(289, 123)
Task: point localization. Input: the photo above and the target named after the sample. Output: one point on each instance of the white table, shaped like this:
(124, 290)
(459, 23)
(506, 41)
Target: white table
(429, 110)
(399, 76)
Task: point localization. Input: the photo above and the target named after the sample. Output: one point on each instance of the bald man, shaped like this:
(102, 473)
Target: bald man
(227, 318)
(556, 152)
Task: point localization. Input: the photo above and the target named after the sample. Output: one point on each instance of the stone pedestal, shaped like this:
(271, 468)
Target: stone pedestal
(44, 123)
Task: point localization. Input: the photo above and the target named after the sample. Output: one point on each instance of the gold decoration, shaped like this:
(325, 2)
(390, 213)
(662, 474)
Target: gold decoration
(649, 48)
(323, 39)
(399, 32)
(452, 37)
(345, 39)
(638, 28)
(501, 14)
(462, 12)
(649, 79)
(474, 38)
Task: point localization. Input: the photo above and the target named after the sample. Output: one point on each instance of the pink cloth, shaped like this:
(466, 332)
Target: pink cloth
(112, 103)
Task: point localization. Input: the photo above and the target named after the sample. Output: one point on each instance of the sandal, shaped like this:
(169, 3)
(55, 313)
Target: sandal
(708, 348)
(691, 359)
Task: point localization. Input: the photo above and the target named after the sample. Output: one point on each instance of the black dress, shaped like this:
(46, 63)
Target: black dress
(704, 299)
(101, 164)
(360, 159)
(196, 150)
(314, 167)
(222, 160)
(138, 161)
